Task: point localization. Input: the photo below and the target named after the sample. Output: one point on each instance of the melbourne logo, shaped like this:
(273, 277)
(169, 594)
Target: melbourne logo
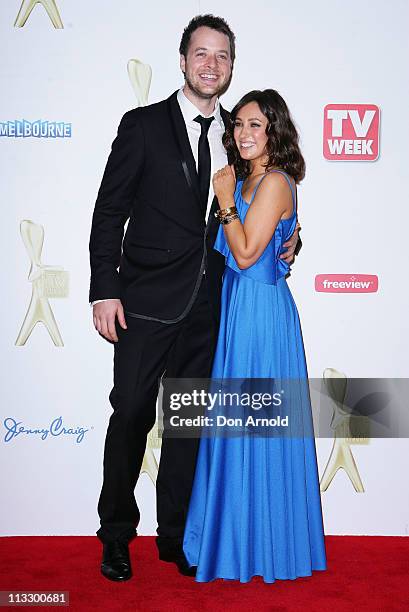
(28, 5)
(56, 428)
(351, 132)
(346, 283)
(35, 129)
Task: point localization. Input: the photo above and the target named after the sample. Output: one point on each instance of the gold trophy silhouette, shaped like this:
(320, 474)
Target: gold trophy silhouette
(140, 76)
(346, 427)
(149, 463)
(46, 281)
(28, 5)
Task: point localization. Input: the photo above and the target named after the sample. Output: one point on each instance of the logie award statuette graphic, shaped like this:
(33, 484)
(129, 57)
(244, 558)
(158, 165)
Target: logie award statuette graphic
(46, 281)
(149, 463)
(348, 429)
(27, 7)
(140, 75)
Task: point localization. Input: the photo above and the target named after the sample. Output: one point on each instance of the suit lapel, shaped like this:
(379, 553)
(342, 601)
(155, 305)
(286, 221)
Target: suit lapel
(225, 116)
(185, 152)
(226, 120)
(211, 221)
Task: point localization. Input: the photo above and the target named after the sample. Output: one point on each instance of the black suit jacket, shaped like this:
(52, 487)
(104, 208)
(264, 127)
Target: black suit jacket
(150, 177)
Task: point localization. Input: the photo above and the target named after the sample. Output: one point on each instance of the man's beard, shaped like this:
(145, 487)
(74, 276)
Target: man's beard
(204, 95)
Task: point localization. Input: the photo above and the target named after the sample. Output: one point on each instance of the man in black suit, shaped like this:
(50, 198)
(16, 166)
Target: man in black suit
(158, 299)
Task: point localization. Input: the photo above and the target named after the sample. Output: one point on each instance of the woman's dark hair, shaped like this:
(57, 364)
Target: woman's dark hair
(282, 144)
(208, 21)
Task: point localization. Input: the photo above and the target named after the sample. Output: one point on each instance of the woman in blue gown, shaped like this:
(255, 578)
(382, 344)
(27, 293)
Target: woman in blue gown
(255, 508)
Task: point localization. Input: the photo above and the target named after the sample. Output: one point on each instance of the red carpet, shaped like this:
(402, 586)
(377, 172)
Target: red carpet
(364, 573)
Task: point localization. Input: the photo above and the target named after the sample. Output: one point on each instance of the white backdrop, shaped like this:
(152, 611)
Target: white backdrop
(353, 214)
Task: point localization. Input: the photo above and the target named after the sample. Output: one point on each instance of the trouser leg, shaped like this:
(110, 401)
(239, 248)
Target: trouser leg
(191, 357)
(139, 362)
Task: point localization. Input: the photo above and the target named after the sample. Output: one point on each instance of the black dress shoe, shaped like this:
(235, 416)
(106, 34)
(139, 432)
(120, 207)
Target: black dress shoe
(184, 567)
(116, 564)
(180, 561)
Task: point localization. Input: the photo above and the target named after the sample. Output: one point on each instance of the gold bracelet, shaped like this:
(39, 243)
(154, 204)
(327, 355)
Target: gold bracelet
(229, 218)
(224, 212)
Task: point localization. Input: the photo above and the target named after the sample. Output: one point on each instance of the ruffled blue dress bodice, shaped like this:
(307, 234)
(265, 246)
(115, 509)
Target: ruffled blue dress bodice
(269, 267)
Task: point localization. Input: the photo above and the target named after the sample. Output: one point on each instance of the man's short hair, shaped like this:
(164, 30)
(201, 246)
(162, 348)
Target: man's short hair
(208, 21)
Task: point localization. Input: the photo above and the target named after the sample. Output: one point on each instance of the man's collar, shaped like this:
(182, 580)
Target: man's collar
(190, 111)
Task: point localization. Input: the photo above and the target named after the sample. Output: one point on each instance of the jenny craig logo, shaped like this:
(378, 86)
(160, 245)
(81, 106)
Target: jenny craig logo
(351, 132)
(346, 283)
(35, 129)
(56, 429)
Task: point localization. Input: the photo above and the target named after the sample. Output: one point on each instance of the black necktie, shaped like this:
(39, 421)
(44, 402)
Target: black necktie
(203, 164)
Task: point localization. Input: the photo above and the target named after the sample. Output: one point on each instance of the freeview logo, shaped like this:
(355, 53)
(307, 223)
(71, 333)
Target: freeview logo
(346, 283)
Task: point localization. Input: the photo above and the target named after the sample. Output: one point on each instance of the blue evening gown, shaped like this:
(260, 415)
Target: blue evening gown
(255, 508)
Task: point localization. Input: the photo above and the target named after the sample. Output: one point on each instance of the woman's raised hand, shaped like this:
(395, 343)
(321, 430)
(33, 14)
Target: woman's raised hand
(224, 185)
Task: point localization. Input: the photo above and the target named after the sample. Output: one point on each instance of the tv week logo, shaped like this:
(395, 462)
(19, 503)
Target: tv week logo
(346, 283)
(351, 132)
